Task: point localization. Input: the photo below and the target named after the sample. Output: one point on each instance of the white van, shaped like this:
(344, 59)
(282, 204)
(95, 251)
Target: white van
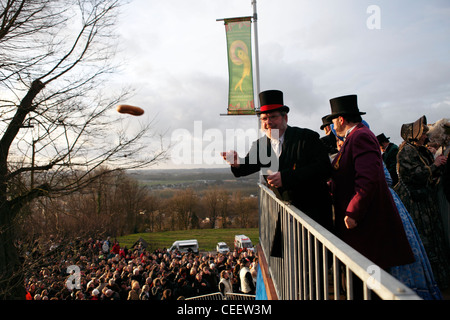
(242, 242)
(185, 246)
(222, 247)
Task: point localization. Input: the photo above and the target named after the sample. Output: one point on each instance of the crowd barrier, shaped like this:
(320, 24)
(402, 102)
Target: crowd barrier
(219, 296)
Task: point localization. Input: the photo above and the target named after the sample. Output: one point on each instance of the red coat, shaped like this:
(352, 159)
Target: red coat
(360, 190)
(116, 248)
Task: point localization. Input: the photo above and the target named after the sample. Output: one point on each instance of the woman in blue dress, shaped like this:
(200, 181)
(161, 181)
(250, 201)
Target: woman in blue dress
(418, 275)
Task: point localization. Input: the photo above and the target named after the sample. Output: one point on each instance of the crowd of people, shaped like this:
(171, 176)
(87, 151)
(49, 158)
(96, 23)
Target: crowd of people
(107, 271)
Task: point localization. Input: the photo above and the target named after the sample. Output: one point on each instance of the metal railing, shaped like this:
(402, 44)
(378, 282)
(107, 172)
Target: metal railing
(210, 296)
(219, 296)
(239, 296)
(316, 265)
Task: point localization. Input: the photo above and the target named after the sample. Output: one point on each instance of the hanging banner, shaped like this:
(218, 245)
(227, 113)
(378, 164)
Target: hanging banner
(239, 45)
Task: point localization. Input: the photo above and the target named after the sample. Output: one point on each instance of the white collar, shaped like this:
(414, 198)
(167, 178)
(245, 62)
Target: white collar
(276, 141)
(349, 130)
(277, 144)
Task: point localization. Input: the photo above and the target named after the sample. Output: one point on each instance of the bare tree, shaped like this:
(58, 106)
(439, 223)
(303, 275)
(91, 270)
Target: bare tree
(183, 206)
(211, 197)
(152, 210)
(246, 210)
(57, 125)
(224, 199)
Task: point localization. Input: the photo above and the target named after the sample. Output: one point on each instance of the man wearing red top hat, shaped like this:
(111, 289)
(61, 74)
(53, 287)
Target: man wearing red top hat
(366, 217)
(298, 161)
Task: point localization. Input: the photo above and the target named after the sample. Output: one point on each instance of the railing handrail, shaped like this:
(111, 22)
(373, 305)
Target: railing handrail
(219, 296)
(383, 284)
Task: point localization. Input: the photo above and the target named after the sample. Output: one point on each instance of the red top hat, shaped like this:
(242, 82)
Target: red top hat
(271, 100)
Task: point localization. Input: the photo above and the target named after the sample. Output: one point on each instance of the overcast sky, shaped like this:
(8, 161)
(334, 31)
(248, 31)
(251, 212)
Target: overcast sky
(174, 54)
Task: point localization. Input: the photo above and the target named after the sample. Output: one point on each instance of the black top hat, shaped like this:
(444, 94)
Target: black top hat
(382, 138)
(344, 105)
(271, 100)
(325, 122)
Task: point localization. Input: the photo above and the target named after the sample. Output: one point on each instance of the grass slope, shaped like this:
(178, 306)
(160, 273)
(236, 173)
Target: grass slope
(207, 238)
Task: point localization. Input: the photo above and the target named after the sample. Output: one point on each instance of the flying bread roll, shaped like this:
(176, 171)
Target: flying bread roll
(125, 108)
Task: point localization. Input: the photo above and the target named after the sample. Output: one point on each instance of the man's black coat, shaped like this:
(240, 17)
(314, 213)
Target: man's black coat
(305, 169)
(390, 160)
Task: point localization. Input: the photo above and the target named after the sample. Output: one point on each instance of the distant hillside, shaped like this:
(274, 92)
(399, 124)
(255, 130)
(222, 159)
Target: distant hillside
(188, 174)
(197, 178)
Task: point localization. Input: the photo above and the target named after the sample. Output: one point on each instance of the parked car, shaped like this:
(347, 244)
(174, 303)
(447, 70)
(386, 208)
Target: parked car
(222, 247)
(185, 246)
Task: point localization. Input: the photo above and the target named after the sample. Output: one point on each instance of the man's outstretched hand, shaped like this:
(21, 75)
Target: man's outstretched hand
(231, 157)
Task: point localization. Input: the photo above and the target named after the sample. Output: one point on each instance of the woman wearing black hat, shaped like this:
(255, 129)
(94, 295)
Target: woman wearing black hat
(418, 174)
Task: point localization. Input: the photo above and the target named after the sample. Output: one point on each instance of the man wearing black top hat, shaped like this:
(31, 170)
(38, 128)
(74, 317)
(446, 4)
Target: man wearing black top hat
(390, 151)
(329, 139)
(366, 216)
(294, 161)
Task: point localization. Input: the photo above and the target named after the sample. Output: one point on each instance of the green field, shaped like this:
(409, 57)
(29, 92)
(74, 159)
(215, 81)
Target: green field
(207, 238)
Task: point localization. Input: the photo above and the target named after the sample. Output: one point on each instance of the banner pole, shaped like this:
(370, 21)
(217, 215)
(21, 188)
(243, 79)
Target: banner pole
(256, 65)
(255, 29)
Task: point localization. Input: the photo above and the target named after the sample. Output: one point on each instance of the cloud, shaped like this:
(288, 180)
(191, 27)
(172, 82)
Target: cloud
(175, 54)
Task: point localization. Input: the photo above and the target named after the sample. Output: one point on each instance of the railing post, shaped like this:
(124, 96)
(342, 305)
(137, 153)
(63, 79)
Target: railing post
(325, 273)
(336, 278)
(349, 283)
